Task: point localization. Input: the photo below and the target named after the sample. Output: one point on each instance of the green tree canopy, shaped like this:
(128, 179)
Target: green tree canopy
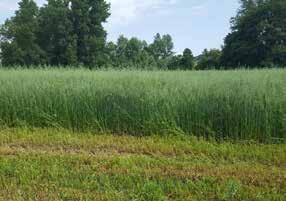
(258, 36)
(187, 59)
(162, 47)
(130, 52)
(62, 32)
(18, 37)
(87, 18)
(209, 59)
(181, 62)
(56, 35)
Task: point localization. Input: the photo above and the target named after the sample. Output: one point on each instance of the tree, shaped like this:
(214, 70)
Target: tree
(121, 46)
(18, 37)
(87, 18)
(209, 59)
(63, 32)
(175, 62)
(131, 52)
(187, 61)
(56, 35)
(162, 47)
(258, 35)
(110, 51)
(181, 62)
(133, 49)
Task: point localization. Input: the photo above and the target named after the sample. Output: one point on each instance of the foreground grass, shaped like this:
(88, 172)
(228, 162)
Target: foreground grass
(59, 165)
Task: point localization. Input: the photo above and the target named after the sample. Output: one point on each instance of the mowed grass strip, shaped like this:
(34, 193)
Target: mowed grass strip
(49, 164)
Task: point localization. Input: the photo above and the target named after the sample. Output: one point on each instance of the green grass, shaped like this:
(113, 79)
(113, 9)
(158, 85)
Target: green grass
(141, 135)
(49, 164)
(238, 105)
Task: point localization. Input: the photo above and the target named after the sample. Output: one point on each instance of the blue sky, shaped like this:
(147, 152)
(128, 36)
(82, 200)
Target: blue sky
(196, 24)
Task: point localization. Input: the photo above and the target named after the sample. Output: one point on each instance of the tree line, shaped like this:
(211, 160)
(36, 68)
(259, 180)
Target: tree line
(71, 33)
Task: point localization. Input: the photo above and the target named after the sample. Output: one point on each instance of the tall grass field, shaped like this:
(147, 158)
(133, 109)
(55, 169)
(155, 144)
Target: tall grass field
(236, 105)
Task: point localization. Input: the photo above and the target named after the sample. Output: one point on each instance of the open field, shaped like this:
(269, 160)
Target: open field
(142, 136)
(238, 105)
(197, 114)
(49, 164)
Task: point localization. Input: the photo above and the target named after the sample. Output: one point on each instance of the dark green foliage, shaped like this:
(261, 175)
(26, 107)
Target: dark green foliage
(188, 59)
(71, 32)
(87, 18)
(135, 53)
(258, 35)
(175, 62)
(182, 62)
(209, 59)
(62, 32)
(161, 48)
(110, 50)
(18, 37)
(56, 36)
(129, 53)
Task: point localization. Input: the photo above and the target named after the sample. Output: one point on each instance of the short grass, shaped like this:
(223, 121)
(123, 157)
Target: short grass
(52, 164)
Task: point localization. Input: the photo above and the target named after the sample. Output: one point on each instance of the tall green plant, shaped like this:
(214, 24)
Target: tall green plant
(227, 104)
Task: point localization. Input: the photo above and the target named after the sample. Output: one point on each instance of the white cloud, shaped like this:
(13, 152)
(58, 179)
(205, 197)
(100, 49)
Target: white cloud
(126, 11)
(123, 12)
